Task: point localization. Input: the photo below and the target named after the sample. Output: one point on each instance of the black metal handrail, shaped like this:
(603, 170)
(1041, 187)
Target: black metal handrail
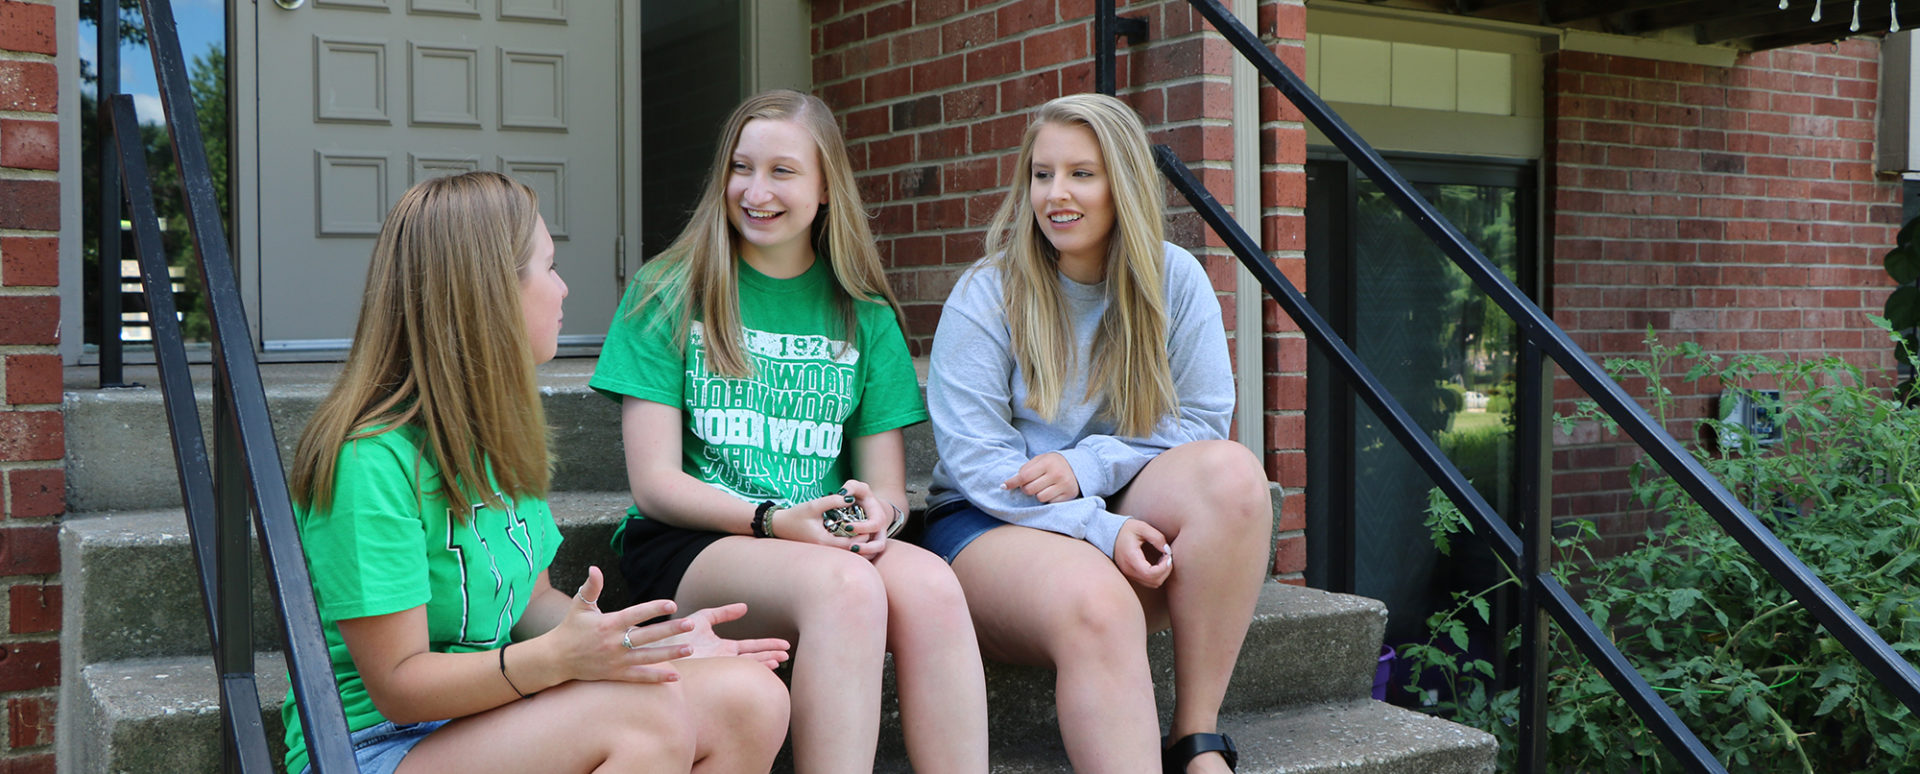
(1542, 594)
(245, 470)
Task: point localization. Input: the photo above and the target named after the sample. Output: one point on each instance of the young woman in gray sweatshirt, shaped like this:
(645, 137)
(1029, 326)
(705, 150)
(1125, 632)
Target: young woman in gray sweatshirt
(1080, 394)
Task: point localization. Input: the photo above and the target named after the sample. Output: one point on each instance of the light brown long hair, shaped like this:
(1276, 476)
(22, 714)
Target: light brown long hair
(696, 274)
(441, 345)
(1130, 365)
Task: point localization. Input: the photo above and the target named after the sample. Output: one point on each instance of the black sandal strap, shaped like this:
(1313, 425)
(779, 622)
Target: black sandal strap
(1175, 758)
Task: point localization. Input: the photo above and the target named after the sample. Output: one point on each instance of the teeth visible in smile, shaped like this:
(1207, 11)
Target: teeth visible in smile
(762, 214)
(1063, 217)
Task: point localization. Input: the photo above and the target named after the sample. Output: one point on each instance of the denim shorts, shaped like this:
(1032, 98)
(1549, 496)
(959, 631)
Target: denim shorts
(378, 748)
(952, 526)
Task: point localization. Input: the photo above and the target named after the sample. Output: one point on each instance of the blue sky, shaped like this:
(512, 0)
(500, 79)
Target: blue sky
(202, 23)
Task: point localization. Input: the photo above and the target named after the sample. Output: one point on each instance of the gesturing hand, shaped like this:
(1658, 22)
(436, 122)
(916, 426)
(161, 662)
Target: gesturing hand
(592, 645)
(1143, 554)
(706, 644)
(1047, 477)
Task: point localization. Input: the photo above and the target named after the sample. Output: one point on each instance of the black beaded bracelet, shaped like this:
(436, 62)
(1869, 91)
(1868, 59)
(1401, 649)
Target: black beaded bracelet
(762, 526)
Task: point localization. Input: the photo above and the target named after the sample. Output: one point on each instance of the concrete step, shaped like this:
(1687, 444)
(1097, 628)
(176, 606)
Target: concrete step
(1302, 648)
(131, 592)
(1361, 736)
(163, 715)
(119, 456)
(130, 589)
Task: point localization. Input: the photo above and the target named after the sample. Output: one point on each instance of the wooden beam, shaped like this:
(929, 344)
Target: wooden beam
(1828, 31)
(1564, 11)
(1689, 13)
(1794, 19)
(1472, 7)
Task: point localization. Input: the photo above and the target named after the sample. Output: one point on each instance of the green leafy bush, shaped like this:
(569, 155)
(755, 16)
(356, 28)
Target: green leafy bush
(1742, 663)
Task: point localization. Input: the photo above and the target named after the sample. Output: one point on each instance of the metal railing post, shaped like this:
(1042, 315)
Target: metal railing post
(1536, 559)
(107, 246)
(248, 468)
(1108, 25)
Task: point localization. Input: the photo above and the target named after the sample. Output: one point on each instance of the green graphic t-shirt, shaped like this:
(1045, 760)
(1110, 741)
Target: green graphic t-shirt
(393, 542)
(778, 433)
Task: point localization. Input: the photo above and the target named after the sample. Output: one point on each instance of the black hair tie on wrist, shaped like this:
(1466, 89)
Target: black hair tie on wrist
(503, 672)
(762, 526)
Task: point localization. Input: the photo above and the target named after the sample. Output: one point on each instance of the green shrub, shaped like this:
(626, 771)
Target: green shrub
(1453, 397)
(1745, 666)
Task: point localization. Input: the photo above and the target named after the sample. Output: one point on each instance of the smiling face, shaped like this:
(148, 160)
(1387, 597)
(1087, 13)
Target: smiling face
(1071, 199)
(774, 188)
(541, 294)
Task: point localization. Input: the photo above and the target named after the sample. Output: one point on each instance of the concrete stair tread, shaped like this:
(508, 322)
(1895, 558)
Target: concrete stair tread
(1360, 736)
(155, 699)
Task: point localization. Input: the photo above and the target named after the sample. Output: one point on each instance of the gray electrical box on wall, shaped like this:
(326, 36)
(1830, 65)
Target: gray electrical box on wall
(1899, 150)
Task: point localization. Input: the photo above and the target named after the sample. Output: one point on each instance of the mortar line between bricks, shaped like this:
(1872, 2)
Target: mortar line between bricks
(16, 173)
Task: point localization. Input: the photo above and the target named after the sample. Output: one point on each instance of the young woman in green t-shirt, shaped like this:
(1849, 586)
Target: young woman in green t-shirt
(764, 379)
(420, 487)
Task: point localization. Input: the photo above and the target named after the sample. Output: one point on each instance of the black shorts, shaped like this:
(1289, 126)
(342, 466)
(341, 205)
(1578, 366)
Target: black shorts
(655, 556)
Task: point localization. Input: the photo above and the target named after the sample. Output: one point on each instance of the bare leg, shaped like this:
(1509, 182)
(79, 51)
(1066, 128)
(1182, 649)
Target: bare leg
(833, 606)
(1046, 599)
(724, 715)
(1219, 531)
(943, 691)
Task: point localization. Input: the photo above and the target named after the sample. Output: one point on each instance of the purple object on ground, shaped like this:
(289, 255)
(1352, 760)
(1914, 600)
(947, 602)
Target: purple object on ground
(1382, 673)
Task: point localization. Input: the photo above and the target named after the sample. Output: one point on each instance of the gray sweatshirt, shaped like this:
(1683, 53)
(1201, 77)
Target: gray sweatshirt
(977, 396)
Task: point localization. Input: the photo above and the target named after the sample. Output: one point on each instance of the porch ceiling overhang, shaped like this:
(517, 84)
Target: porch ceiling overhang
(1753, 25)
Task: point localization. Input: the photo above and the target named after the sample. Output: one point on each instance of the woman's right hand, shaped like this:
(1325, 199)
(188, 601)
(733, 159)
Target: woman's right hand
(1131, 550)
(802, 522)
(593, 645)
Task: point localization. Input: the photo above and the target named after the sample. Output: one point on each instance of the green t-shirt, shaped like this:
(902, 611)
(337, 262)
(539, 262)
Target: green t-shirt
(778, 433)
(392, 542)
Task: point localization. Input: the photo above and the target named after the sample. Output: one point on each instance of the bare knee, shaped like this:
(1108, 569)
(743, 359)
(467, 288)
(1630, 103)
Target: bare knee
(747, 701)
(927, 594)
(845, 594)
(639, 722)
(1237, 487)
(1096, 615)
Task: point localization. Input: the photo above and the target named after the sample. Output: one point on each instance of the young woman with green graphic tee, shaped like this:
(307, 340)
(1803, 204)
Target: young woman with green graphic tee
(420, 487)
(764, 378)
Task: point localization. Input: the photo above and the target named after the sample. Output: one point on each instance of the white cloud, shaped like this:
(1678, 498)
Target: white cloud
(149, 109)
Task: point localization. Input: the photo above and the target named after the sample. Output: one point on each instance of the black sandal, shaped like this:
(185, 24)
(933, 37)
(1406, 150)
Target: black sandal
(1175, 758)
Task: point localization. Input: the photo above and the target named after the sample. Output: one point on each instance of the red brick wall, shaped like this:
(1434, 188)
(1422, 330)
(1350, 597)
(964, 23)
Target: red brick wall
(1735, 207)
(32, 438)
(935, 94)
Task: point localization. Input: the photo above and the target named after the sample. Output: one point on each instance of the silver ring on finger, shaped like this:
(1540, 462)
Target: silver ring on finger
(627, 639)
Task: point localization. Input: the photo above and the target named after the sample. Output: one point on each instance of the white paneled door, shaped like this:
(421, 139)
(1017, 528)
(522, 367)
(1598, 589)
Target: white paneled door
(356, 100)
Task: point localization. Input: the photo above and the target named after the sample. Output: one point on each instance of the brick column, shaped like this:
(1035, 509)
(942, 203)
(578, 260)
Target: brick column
(1283, 199)
(935, 94)
(32, 437)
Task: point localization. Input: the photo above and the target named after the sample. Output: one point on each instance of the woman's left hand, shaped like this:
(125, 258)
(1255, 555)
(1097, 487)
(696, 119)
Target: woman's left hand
(870, 535)
(702, 642)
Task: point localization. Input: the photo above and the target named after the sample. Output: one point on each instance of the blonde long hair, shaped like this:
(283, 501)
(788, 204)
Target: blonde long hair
(1130, 365)
(696, 274)
(442, 345)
